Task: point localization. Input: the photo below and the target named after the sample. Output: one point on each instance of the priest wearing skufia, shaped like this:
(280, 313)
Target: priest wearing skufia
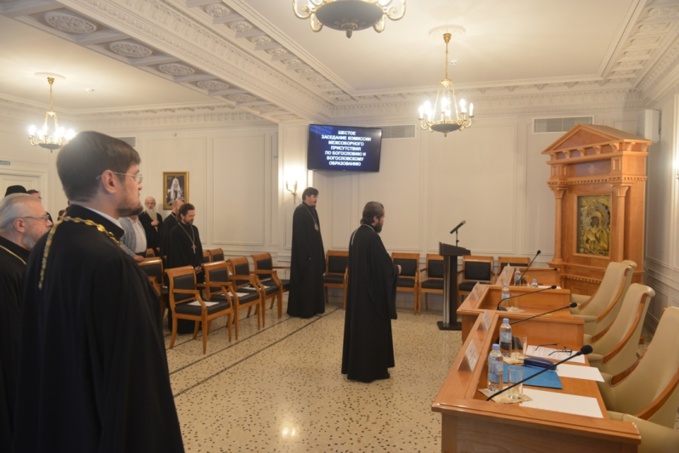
(368, 350)
(307, 259)
(23, 221)
(93, 375)
(152, 222)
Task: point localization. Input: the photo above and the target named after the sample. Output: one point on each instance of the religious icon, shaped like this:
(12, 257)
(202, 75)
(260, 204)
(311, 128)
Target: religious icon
(594, 225)
(175, 187)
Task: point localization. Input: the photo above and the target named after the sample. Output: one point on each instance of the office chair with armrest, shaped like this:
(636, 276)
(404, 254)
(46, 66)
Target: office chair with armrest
(335, 275)
(408, 280)
(475, 269)
(431, 278)
(266, 272)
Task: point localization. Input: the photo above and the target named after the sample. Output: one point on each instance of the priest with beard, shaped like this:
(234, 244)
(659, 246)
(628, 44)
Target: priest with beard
(368, 350)
(23, 221)
(307, 259)
(165, 228)
(93, 374)
(152, 222)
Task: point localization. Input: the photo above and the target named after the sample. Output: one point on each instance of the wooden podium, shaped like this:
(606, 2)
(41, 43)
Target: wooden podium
(450, 253)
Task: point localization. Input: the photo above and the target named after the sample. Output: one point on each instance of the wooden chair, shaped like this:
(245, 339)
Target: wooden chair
(266, 271)
(216, 254)
(335, 275)
(218, 284)
(150, 253)
(153, 267)
(649, 389)
(245, 281)
(187, 303)
(600, 310)
(408, 280)
(206, 256)
(616, 349)
(514, 261)
(475, 269)
(431, 278)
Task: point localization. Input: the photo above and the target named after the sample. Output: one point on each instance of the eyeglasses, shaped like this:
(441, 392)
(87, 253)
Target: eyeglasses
(138, 177)
(45, 217)
(560, 348)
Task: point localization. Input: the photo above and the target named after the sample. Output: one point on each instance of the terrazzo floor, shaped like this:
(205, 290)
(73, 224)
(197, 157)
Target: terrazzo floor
(280, 389)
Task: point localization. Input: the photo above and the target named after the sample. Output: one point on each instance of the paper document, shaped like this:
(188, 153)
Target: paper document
(239, 294)
(553, 354)
(208, 304)
(560, 402)
(588, 373)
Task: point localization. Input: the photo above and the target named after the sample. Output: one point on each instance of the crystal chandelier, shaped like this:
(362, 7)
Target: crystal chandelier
(446, 115)
(50, 138)
(349, 15)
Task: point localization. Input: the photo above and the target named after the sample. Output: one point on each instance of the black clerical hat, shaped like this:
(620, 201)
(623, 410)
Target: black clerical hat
(15, 189)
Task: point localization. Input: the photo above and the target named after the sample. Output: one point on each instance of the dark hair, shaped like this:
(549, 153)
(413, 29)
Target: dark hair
(86, 157)
(371, 210)
(308, 192)
(185, 208)
(32, 191)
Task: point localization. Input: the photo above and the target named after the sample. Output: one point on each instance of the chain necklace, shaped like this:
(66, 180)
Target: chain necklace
(13, 254)
(192, 238)
(316, 226)
(50, 237)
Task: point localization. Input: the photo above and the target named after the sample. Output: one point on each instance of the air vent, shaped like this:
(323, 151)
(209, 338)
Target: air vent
(407, 131)
(541, 125)
(132, 141)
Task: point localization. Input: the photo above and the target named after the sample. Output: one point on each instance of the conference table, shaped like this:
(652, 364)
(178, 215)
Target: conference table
(469, 423)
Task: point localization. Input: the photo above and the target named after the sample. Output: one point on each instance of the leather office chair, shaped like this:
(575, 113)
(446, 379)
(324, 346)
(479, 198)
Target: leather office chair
(408, 280)
(335, 275)
(431, 278)
(187, 303)
(600, 309)
(219, 285)
(647, 393)
(616, 349)
(266, 272)
(475, 269)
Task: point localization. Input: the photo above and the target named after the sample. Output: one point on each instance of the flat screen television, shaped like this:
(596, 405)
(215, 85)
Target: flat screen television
(344, 148)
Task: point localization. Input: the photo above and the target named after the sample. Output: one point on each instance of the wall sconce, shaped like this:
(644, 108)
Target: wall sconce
(293, 191)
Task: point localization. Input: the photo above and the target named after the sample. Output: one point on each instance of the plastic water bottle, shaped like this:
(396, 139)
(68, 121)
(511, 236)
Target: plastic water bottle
(506, 338)
(495, 369)
(534, 283)
(517, 277)
(505, 294)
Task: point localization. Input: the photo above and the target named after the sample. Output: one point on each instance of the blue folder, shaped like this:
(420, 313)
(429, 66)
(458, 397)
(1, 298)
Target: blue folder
(548, 379)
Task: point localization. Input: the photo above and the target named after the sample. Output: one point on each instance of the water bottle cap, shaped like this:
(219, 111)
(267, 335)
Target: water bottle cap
(496, 347)
(505, 320)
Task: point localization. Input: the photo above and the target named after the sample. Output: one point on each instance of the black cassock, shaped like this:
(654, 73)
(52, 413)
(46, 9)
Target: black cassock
(182, 240)
(93, 374)
(13, 260)
(164, 235)
(152, 232)
(368, 350)
(307, 264)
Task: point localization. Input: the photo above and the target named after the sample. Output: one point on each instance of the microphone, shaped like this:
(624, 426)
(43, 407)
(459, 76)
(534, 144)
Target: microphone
(498, 308)
(458, 226)
(529, 265)
(571, 305)
(586, 349)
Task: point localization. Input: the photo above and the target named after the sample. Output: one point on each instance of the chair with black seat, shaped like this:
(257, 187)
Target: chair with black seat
(206, 256)
(187, 303)
(219, 285)
(153, 267)
(268, 276)
(245, 281)
(408, 280)
(431, 278)
(335, 275)
(514, 261)
(216, 254)
(475, 269)
(647, 393)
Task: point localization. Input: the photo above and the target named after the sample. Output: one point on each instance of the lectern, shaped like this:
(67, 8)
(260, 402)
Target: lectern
(450, 253)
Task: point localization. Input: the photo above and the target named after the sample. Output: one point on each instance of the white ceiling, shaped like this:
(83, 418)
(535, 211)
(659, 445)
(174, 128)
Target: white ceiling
(255, 56)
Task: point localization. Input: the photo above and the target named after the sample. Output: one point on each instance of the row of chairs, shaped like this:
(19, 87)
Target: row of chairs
(230, 286)
(643, 390)
(422, 281)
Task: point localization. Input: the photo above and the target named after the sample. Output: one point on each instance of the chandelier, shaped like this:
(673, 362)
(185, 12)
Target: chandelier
(50, 138)
(446, 115)
(349, 15)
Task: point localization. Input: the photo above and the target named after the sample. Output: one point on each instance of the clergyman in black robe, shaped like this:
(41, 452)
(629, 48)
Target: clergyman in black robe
(23, 221)
(152, 223)
(307, 260)
(368, 350)
(93, 375)
(164, 234)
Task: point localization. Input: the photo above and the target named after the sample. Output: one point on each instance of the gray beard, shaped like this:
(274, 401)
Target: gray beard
(151, 213)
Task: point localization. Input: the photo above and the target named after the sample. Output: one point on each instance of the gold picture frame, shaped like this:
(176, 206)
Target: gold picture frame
(594, 225)
(175, 185)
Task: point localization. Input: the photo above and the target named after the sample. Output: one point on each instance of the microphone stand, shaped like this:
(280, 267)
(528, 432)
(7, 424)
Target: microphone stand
(523, 280)
(586, 349)
(571, 305)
